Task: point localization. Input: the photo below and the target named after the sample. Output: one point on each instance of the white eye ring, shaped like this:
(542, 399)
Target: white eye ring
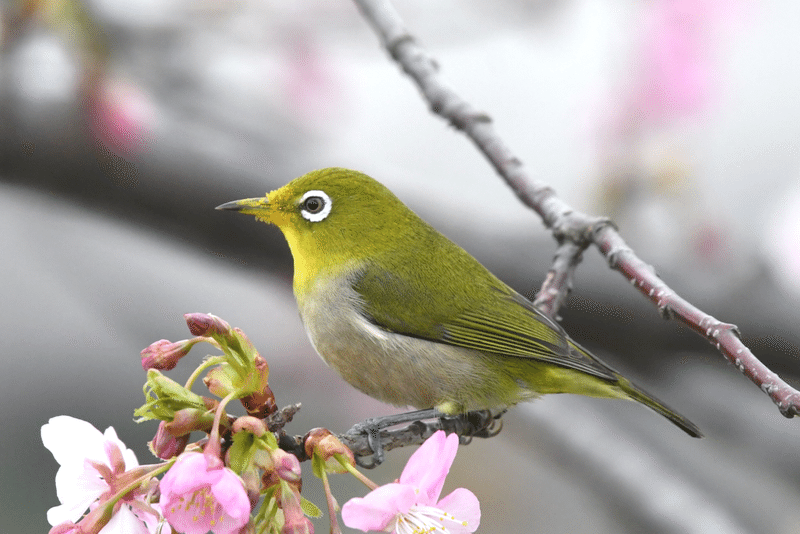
(322, 212)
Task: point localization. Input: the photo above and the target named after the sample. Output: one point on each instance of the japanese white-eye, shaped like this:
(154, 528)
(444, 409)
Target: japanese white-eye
(409, 317)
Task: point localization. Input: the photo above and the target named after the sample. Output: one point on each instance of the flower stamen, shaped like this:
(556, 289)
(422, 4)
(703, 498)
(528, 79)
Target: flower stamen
(424, 520)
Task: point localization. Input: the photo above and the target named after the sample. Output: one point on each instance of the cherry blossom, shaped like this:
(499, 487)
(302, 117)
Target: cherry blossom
(199, 494)
(412, 504)
(93, 467)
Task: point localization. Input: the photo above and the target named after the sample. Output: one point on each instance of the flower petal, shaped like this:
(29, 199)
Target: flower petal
(379, 508)
(72, 440)
(428, 466)
(150, 514)
(231, 495)
(77, 486)
(127, 454)
(124, 522)
(189, 473)
(68, 512)
(196, 497)
(464, 507)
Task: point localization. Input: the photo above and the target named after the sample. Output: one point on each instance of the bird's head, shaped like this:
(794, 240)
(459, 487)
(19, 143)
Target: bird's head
(333, 218)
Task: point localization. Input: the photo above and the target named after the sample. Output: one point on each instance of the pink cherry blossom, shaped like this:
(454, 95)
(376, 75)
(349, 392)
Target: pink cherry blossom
(412, 503)
(199, 494)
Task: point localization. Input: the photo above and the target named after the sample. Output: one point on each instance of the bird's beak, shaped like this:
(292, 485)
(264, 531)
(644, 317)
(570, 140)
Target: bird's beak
(249, 206)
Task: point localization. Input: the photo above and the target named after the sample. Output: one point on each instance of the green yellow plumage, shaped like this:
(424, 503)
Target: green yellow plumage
(409, 317)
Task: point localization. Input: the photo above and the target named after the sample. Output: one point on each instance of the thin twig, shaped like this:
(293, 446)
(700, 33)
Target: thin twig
(724, 336)
(568, 225)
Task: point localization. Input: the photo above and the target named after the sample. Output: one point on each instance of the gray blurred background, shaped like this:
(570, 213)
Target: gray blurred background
(123, 123)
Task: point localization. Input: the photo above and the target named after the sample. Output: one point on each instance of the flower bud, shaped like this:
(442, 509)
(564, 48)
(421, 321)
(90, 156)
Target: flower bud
(164, 354)
(295, 521)
(250, 424)
(188, 420)
(205, 324)
(287, 466)
(298, 525)
(164, 445)
(321, 442)
(261, 403)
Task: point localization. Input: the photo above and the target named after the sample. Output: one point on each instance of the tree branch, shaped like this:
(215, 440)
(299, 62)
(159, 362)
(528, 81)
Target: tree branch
(480, 424)
(574, 230)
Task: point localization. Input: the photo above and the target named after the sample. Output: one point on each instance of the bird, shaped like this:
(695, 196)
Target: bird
(410, 318)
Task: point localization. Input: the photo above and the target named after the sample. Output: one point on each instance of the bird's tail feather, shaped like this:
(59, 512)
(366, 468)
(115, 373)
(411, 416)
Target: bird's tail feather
(637, 394)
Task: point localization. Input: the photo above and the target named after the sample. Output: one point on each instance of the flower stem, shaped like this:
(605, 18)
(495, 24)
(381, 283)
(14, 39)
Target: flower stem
(213, 437)
(148, 473)
(214, 360)
(335, 528)
(355, 472)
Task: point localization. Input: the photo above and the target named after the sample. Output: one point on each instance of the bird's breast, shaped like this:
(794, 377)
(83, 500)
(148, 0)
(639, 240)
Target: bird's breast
(395, 368)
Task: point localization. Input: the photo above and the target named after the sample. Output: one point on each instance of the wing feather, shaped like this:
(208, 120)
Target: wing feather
(492, 319)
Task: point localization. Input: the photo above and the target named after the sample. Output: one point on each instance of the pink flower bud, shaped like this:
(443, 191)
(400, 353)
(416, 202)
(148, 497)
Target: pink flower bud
(121, 117)
(187, 420)
(250, 424)
(164, 354)
(321, 442)
(287, 466)
(164, 445)
(295, 520)
(205, 324)
(222, 380)
(301, 525)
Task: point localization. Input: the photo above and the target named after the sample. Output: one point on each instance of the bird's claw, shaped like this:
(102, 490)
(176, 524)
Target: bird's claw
(480, 423)
(372, 429)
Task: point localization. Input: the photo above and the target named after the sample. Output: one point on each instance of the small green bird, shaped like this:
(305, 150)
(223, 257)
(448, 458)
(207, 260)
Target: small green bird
(409, 317)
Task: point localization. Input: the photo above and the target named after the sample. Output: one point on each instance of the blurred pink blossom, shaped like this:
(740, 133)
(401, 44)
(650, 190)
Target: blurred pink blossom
(121, 117)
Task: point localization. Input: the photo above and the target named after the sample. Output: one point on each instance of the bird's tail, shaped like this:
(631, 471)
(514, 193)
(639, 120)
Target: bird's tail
(637, 394)
(620, 384)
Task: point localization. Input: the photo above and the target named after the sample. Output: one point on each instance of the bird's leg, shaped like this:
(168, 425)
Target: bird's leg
(372, 429)
(368, 442)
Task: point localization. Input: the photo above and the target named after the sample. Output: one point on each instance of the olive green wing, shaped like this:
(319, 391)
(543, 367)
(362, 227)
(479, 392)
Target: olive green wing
(474, 310)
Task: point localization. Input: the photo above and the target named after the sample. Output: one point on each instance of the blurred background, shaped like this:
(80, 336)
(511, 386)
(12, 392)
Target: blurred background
(123, 123)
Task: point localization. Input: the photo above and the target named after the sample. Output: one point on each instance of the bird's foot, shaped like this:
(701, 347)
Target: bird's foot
(372, 427)
(370, 452)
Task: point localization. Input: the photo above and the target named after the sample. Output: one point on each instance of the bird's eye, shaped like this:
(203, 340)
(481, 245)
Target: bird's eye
(315, 205)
